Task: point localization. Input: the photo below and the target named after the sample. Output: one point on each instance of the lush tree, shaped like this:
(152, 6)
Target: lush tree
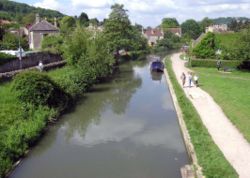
(38, 89)
(237, 25)
(119, 32)
(205, 23)
(67, 24)
(117, 29)
(242, 46)
(191, 28)
(76, 45)
(169, 23)
(83, 19)
(207, 47)
(28, 19)
(170, 41)
(94, 21)
(53, 43)
(2, 32)
(11, 42)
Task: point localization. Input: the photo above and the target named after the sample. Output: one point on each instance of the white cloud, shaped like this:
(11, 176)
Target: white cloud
(150, 13)
(92, 4)
(49, 4)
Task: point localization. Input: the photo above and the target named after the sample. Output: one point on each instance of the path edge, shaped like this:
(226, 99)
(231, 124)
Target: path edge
(184, 131)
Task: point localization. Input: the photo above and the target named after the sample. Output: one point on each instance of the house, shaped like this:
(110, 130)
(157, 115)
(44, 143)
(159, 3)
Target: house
(217, 28)
(153, 35)
(39, 30)
(177, 31)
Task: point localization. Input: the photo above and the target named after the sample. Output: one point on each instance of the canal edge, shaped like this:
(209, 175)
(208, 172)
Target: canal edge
(187, 140)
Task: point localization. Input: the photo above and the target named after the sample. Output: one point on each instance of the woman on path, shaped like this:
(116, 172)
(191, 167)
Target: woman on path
(183, 78)
(190, 79)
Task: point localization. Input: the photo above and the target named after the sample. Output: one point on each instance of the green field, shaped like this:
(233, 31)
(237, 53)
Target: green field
(227, 40)
(232, 92)
(210, 158)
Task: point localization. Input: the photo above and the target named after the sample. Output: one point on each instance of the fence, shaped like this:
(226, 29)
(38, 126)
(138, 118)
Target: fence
(30, 60)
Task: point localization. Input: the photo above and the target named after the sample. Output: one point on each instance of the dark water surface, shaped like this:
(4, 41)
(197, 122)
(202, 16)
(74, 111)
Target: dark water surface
(126, 128)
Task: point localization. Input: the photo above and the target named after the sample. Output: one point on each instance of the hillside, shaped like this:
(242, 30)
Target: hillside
(228, 20)
(10, 10)
(227, 40)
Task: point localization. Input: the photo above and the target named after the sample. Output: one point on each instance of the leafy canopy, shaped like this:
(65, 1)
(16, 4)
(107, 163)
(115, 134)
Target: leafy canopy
(119, 32)
(169, 23)
(191, 28)
(207, 47)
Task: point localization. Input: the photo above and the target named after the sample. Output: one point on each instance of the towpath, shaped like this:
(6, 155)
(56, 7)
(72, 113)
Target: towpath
(229, 140)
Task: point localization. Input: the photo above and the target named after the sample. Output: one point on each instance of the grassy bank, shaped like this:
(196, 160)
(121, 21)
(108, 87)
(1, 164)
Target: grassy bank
(208, 154)
(231, 92)
(20, 126)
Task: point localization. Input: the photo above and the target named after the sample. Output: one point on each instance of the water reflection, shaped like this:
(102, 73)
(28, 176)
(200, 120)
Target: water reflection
(115, 96)
(124, 128)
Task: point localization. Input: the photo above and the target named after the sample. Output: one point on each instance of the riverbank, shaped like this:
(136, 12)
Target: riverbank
(236, 149)
(23, 124)
(210, 158)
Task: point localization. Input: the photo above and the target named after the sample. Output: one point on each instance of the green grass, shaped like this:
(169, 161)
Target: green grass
(227, 39)
(210, 158)
(19, 127)
(231, 92)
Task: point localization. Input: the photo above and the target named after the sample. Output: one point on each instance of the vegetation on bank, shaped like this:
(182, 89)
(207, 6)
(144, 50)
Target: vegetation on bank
(231, 92)
(33, 98)
(5, 58)
(208, 154)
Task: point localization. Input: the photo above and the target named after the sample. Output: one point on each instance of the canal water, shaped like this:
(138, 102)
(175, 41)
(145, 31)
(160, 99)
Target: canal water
(125, 128)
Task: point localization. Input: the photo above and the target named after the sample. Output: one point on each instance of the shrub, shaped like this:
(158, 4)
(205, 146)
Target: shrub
(212, 63)
(53, 43)
(38, 89)
(207, 47)
(5, 58)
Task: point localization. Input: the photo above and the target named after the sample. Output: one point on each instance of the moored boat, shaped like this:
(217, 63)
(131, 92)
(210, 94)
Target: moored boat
(157, 66)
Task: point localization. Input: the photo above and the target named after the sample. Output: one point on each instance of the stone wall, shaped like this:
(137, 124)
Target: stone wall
(30, 60)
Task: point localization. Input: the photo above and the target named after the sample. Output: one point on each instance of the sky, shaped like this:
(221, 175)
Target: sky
(150, 12)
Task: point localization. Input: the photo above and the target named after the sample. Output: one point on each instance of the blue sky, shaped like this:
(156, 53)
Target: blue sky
(150, 12)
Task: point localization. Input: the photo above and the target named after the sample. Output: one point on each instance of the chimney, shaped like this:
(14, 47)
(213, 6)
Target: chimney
(37, 18)
(55, 22)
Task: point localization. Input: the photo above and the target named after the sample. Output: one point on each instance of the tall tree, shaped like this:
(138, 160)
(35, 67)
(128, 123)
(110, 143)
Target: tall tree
(205, 23)
(118, 28)
(84, 19)
(94, 21)
(191, 28)
(169, 23)
(67, 24)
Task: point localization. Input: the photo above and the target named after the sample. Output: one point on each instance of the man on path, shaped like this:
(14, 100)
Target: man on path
(183, 79)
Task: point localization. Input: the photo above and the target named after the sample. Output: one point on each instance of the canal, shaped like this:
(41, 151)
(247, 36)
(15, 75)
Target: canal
(125, 128)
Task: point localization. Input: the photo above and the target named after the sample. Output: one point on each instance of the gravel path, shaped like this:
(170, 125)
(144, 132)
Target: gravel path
(230, 141)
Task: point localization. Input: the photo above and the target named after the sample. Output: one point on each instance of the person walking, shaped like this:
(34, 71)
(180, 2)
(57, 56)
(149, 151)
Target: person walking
(183, 78)
(196, 78)
(218, 64)
(190, 79)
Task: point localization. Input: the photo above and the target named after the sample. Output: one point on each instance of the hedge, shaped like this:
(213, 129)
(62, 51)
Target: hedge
(212, 63)
(4, 58)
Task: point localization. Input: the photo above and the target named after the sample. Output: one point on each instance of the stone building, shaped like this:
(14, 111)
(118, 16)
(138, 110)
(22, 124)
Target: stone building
(153, 35)
(40, 29)
(177, 31)
(217, 28)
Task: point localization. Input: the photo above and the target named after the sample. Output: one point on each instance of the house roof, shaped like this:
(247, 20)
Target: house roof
(43, 26)
(153, 32)
(174, 30)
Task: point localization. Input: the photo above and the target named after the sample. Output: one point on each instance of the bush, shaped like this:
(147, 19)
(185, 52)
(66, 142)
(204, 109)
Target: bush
(5, 58)
(212, 63)
(207, 47)
(53, 43)
(38, 89)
